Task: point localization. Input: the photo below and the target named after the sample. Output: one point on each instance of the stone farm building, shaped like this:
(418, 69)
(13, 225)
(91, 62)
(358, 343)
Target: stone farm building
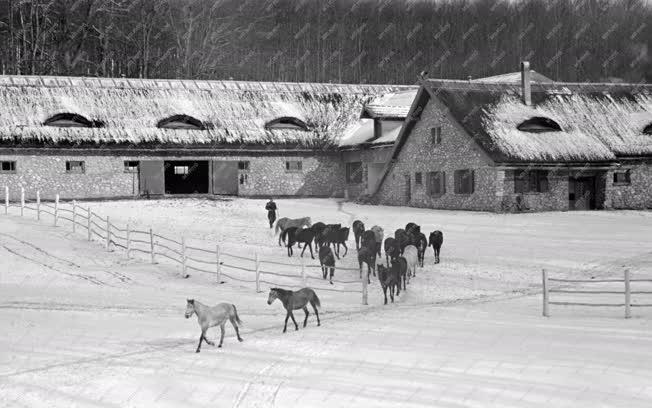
(511, 142)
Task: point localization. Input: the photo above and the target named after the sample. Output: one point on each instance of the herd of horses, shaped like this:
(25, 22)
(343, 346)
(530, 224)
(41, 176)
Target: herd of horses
(404, 252)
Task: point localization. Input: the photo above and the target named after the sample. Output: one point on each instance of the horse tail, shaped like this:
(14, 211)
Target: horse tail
(315, 299)
(277, 227)
(235, 312)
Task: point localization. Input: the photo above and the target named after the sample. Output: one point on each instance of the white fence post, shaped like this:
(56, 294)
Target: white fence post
(257, 272)
(219, 269)
(151, 245)
(544, 277)
(365, 283)
(22, 201)
(74, 215)
(56, 209)
(128, 240)
(303, 273)
(6, 200)
(628, 296)
(108, 233)
(38, 205)
(88, 222)
(183, 257)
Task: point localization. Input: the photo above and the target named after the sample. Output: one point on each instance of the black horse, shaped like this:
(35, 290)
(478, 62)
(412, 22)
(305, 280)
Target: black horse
(305, 236)
(389, 279)
(318, 227)
(358, 229)
(339, 238)
(401, 267)
(368, 240)
(391, 249)
(327, 262)
(421, 244)
(367, 256)
(412, 228)
(435, 241)
(289, 237)
(402, 239)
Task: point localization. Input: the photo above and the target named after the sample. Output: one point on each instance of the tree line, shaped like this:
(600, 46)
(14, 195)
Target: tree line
(344, 41)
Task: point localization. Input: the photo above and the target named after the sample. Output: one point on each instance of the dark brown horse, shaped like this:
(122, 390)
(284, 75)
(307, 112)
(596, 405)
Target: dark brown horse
(294, 300)
(435, 241)
(327, 262)
(389, 279)
(358, 229)
(367, 256)
(391, 249)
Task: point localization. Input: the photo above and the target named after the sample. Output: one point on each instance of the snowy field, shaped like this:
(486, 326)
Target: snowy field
(83, 327)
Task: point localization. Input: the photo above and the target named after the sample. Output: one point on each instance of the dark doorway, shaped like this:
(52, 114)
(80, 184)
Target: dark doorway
(408, 189)
(582, 193)
(186, 177)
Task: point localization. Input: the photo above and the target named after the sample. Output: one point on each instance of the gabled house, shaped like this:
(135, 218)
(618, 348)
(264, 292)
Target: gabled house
(500, 146)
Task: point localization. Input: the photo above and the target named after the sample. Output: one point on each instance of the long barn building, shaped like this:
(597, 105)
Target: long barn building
(513, 142)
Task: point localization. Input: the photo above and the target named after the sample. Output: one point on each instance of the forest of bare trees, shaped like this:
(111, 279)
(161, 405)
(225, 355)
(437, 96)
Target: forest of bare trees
(349, 41)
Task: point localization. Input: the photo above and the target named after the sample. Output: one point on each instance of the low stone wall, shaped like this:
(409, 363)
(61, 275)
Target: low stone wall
(637, 194)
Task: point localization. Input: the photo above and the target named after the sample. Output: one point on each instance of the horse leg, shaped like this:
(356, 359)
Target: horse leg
(346, 249)
(201, 338)
(391, 292)
(296, 326)
(332, 273)
(324, 271)
(304, 250)
(312, 303)
(312, 255)
(287, 316)
(305, 321)
(235, 326)
(221, 334)
(385, 293)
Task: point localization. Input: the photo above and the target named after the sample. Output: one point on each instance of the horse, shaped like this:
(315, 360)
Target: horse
(294, 300)
(422, 245)
(368, 240)
(412, 228)
(358, 229)
(305, 236)
(391, 249)
(436, 239)
(411, 255)
(284, 223)
(327, 262)
(378, 235)
(328, 236)
(291, 235)
(402, 239)
(401, 267)
(318, 227)
(367, 255)
(208, 316)
(389, 279)
(339, 238)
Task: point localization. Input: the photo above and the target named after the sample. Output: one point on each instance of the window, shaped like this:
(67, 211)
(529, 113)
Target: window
(293, 166)
(131, 166)
(354, 172)
(181, 170)
(435, 134)
(418, 179)
(286, 122)
(436, 183)
(72, 120)
(243, 165)
(532, 181)
(539, 124)
(182, 122)
(244, 178)
(464, 182)
(75, 167)
(622, 177)
(8, 167)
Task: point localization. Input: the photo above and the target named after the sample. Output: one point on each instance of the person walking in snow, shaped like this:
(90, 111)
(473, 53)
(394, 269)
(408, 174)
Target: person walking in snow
(271, 211)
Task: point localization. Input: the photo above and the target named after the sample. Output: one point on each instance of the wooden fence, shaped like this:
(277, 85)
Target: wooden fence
(627, 292)
(189, 258)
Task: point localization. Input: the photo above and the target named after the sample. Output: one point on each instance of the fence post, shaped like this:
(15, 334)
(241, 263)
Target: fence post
(628, 296)
(56, 209)
(22, 201)
(183, 257)
(257, 272)
(6, 200)
(74, 215)
(108, 233)
(544, 277)
(365, 283)
(88, 222)
(38, 205)
(151, 245)
(303, 273)
(128, 240)
(219, 269)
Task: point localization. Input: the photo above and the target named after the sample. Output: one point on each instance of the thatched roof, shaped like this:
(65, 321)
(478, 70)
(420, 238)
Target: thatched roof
(129, 109)
(515, 78)
(599, 121)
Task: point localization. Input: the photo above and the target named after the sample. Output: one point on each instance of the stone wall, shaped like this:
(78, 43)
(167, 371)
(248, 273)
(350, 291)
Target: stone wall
(104, 176)
(637, 194)
(556, 199)
(367, 156)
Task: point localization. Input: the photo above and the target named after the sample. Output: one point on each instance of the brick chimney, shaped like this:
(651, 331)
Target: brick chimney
(526, 94)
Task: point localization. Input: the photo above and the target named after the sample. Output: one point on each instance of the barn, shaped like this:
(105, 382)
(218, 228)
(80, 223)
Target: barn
(538, 145)
(118, 137)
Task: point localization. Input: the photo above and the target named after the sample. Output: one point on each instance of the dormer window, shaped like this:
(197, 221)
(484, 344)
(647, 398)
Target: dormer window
(648, 130)
(183, 122)
(72, 120)
(287, 122)
(539, 124)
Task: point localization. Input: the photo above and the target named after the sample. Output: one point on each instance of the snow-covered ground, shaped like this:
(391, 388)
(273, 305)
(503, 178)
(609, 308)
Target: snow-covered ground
(83, 327)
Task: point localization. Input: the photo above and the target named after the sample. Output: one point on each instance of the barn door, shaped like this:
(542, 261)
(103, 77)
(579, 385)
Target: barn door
(152, 179)
(225, 177)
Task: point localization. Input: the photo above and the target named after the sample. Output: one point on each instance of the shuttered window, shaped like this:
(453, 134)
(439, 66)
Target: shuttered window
(418, 179)
(293, 166)
(436, 183)
(77, 167)
(622, 177)
(354, 172)
(464, 181)
(532, 181)
(8, 167)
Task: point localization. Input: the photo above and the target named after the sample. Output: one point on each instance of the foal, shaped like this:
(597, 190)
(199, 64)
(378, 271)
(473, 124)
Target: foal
(208, 316)
(294, 301)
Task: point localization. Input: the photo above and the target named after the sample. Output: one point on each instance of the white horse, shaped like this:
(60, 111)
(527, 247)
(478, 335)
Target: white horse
(411, 255)
(208, 316)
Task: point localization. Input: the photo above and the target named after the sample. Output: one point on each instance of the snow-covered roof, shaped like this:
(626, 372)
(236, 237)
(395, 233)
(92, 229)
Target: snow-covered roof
(515, 78)
(391, 106)
(131, 108)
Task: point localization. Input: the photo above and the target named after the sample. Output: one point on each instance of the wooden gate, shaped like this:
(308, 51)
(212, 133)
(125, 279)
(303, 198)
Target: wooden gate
(152, 179)
(225, 177)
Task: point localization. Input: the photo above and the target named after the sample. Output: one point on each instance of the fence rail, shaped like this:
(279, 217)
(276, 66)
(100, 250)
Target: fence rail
(114, 236)
(627, 292)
